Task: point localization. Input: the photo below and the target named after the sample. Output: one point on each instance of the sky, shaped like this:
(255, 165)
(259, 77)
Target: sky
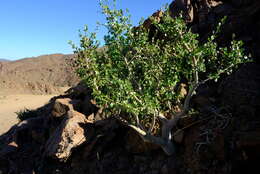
(31, 28)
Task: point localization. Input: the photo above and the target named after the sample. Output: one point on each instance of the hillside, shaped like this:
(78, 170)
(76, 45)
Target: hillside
(38, 75)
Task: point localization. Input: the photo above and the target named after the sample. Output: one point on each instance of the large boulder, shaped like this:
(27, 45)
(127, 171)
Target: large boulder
(63, 105)
(68, 135)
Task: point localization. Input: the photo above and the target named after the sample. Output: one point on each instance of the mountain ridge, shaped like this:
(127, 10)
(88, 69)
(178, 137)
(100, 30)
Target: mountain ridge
(37, 75)
(4, 60)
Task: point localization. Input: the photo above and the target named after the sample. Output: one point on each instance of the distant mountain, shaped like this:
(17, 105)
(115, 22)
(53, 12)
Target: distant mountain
(37, 75)
(4, 60)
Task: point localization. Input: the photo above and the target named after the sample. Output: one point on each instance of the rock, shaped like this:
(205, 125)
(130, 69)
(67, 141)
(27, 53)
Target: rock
(38, 135)
(79, 91)
(155, 165)
(89, 108)
(157, 16)
(67, 136)
(178, 136)
(182, 6)
(23, 129)
(8, 149)
(248, 140)
(242, 20)
(164, 169)
(240, 91)
(61, 107)
(135, 144)
(218, 147)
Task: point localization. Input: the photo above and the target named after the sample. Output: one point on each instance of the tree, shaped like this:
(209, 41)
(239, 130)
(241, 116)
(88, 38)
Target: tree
(139, 75)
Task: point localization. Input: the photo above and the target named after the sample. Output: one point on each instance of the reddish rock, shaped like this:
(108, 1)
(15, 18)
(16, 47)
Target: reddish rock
(63, 105)
(135, 144)
(67, 136)
(178, 136)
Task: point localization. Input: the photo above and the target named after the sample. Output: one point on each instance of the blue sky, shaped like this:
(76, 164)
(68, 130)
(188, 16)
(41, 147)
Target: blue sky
(36, 27)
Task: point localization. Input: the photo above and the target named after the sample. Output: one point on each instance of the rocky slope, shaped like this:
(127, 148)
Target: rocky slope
(70, 136)
(242, 20)
(40, 75)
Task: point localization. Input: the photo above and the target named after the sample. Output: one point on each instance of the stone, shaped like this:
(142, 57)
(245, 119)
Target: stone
(8, 149)
(178, 136)
(164, 169)
(155, 165)
(135, 144)
(240, 91)
(248, 139)
(157, 17)
(62, 106)
(182, 6)
(88, 107)
(68, 135)
(38, 135)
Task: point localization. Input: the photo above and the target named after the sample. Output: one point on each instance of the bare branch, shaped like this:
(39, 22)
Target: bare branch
(219, 73)
(166, 129)
(137, 129)
(167, 126)
(167, 146)
(162, 118)
(195, 73)
(137, 120)
(153, 123)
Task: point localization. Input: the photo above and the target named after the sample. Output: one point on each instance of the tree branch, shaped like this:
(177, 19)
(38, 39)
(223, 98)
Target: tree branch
(167, 146)
(153, 123)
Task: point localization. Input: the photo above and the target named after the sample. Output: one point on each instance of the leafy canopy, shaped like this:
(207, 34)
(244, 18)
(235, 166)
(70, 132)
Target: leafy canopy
(140, 74)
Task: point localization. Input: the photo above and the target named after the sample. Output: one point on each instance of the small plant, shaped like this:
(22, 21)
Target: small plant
(140, 74)
(26, 114)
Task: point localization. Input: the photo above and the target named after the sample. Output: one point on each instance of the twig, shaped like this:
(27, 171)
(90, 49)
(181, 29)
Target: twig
(192, 124)
(153, 123)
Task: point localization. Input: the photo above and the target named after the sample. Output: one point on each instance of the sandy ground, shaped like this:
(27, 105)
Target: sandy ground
(9, 104)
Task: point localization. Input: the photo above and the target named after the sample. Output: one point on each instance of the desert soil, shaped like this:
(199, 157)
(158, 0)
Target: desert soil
(9, 104)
